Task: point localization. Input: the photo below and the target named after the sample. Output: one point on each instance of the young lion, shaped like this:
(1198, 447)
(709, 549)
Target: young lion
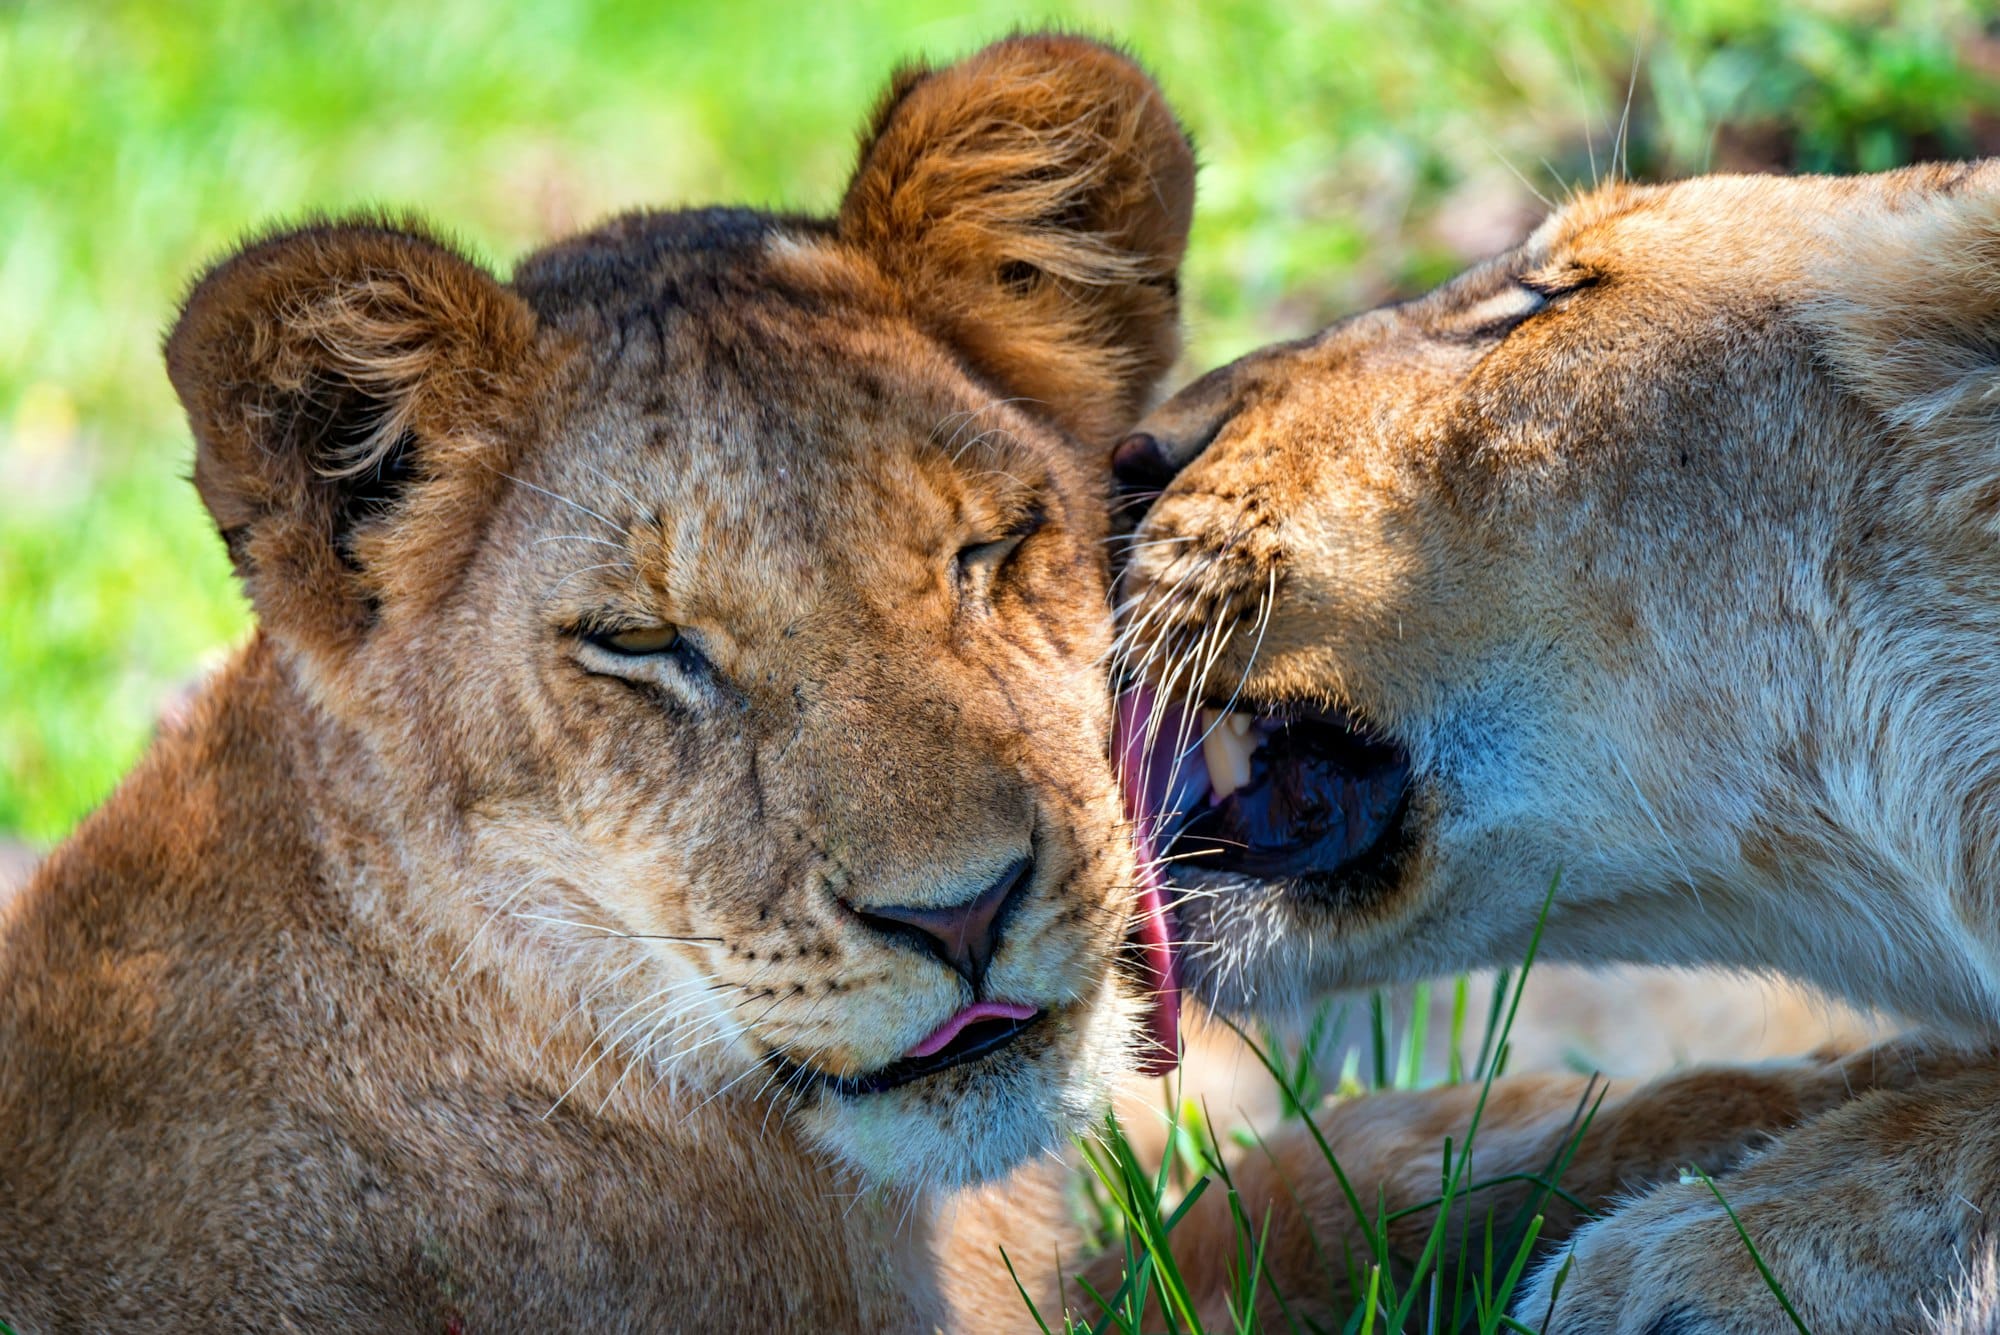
(1660, 555)
(667, 795)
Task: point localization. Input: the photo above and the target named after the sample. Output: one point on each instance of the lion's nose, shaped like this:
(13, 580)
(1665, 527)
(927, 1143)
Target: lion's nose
(963, 936)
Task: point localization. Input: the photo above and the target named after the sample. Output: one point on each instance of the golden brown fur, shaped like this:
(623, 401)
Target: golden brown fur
(449, 967)
(1664, 545)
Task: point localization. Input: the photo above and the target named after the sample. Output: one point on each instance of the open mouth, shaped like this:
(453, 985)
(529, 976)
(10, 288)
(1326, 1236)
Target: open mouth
(1308, 796)
(979, 1030)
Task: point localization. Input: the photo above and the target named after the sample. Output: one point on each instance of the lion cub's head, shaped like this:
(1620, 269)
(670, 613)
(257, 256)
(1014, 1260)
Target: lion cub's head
(712, 619)
(1658, 553)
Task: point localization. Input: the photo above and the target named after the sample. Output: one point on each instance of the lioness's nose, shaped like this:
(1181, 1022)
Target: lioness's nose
(964, 936)
(1173, 435)
(1140, 464)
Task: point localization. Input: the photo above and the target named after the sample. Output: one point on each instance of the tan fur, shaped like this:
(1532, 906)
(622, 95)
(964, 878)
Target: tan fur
(1681, 586)
(442, 969)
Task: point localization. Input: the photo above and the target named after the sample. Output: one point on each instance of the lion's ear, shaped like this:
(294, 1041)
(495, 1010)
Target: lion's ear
(1032, 202)
(333, 376)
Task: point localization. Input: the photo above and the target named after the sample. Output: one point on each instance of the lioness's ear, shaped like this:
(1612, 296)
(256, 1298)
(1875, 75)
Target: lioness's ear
(331, 375)
(1033, 203)
(1910, 314)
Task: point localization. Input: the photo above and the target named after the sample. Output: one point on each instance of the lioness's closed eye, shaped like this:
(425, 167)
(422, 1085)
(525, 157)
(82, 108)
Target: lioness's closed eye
(667, 797)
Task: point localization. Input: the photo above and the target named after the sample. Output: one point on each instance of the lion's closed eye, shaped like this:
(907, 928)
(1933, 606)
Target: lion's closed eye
(980, 563)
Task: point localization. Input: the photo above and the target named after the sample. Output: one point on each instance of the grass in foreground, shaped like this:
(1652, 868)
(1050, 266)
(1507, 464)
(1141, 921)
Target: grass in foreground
(1468, 1288)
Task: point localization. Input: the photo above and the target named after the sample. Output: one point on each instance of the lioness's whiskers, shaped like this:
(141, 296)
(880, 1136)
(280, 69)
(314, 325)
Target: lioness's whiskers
(604, 1047)
(1132, 543)
(992, 433)
(965, 418)
(589, 995)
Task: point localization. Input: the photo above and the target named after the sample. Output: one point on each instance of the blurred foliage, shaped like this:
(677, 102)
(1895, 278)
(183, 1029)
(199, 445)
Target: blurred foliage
(1353, 150)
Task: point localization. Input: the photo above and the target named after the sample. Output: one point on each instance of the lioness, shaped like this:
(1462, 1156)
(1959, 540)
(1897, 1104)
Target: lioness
(1661, 554)
(663, 826)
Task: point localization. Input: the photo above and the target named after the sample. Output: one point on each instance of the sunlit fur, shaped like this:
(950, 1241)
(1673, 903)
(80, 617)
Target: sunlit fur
(442, 969)
(1680, 583)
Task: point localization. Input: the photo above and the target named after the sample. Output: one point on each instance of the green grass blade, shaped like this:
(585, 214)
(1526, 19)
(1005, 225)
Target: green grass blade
(1513, 1277)
(1556, 1286)
(1461, 988)
(1378, 1033)
(1770, 1280)
(1501, 980)
(1376, 1244)
(1411, 1074)
(1020, 1288)
(1435, 1240)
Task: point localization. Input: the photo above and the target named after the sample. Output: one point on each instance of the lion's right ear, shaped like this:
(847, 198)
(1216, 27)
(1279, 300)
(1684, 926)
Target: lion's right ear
(331, 375)
(1032, 202)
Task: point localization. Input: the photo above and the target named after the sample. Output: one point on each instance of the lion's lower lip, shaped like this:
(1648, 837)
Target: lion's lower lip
(981, 1038)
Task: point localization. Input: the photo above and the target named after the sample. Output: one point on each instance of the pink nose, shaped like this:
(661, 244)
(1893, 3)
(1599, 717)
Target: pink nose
(962, 936)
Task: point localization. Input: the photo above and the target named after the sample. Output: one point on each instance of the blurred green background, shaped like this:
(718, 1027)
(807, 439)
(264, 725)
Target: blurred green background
(1353, 150)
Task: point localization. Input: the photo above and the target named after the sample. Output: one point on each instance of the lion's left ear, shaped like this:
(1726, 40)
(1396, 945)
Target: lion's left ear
(1032, 202)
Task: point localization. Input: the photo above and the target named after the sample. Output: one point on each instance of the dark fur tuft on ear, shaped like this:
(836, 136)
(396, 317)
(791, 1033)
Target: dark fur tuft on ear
(1032, 202)
(325, 370)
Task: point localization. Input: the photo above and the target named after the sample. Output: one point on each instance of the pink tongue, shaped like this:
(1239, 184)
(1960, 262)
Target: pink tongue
(978, 1010)
(1155, 937)
(1153, 930)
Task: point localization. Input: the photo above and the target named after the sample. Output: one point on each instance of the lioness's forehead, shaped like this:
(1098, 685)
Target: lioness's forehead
(1706, 225)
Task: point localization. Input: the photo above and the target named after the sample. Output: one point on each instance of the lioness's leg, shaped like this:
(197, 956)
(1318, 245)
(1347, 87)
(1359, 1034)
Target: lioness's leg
(1875, 1217)
(1390, 1146)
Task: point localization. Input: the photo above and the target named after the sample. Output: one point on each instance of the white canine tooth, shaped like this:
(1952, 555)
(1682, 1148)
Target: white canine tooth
(1240, 724)
(1227, 750)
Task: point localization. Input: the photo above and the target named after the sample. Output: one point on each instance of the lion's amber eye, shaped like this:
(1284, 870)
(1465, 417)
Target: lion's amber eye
(639, 641)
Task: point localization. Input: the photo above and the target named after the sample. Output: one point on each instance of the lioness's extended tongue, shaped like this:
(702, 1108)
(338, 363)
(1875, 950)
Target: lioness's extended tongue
(1145, 785)
(1154, 934)
(1160, 763)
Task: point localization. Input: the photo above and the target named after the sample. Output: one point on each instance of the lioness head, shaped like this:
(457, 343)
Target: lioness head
(1657, 554)
(709, 623)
